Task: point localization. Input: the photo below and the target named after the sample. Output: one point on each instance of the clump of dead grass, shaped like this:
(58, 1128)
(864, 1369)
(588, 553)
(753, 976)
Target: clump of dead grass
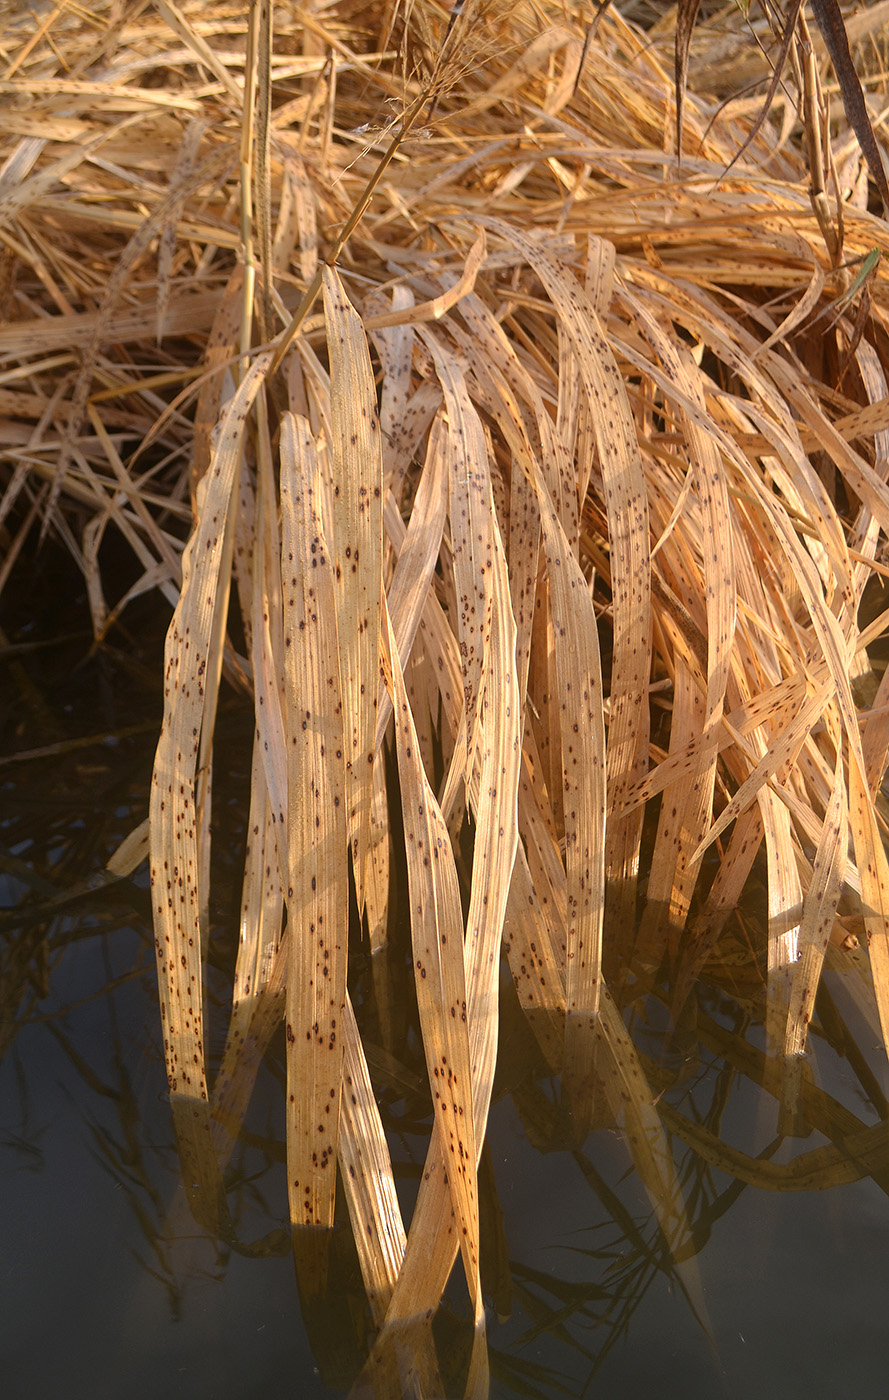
(563, 487)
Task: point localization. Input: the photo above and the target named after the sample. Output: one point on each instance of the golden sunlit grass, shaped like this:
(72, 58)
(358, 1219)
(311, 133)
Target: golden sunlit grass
(532, 481)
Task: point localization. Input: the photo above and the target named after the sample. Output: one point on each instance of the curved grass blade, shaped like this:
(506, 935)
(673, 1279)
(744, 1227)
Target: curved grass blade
(819, 913)
(355, 538)
(318, 875)
(493, 793)
(471, 516)
(626, 498)
(368, 1183)
(175, 855)
(437, 939)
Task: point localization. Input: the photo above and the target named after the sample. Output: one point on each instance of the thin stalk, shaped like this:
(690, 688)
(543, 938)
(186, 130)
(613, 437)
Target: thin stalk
(350, 225)
(263, 55)
(247, 132)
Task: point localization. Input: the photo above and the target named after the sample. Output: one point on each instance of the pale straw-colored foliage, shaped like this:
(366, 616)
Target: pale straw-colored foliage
(546, 494)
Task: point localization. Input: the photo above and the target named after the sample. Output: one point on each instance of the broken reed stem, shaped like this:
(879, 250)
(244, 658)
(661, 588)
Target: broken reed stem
(815, 108)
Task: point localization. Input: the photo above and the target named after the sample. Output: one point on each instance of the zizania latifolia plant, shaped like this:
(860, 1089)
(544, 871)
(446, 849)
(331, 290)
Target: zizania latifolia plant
(537, 445)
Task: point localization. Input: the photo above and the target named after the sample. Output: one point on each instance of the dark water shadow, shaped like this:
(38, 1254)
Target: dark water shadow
(584, 1292)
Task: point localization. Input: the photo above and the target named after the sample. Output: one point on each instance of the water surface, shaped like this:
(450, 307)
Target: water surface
(108, 1288)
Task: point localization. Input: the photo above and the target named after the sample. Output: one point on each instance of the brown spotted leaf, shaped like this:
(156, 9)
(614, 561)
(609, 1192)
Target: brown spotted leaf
(355, 534)
(318, 878)
(188, 661)
(437, 942)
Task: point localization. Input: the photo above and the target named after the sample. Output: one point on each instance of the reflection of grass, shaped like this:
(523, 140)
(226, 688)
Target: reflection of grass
(569, 1307)
(533, 500)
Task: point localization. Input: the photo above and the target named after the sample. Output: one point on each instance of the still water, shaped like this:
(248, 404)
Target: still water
(109, 1289)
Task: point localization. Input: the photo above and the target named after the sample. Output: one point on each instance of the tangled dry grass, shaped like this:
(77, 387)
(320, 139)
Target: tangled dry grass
(531, 481)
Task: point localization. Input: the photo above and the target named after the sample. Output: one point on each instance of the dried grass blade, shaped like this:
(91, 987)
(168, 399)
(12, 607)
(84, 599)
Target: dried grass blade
(873, 870)
(494, 792)
(262, 903)
(784, 912)
(686, 14)
(318, 883)
(435, 309)
(243, 1057)
(529, 932)
(356, 541)
(875, 744)
(833, 29)
(138, 244)
(782, 750)
(266, 866)
(870, 854)
(859, 474)
(200, 48)
(631, 1101)
(857, 1156)
(472, 522)
(582, 730)
(395, 347)
(378, 873)
(167, 569)
(19, 163)
(418, 549)
(802, 309)
(258, 992)
(510, 392)
(723, 898)
(870, 851)
(366, 1170)
(671, 879)
(18, 194)
(680, 763)
(174, 853)
(263, 180)
(626, 499)
(719, 582)
(267, 646)
(185, 160)
(220, 348)
(819, 912)
(437, 940)
(296, 229)
(176, 857)
(494, 798)
(777, 69)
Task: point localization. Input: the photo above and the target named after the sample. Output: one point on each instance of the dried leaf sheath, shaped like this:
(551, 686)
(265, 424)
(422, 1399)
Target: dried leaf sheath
(317, 895)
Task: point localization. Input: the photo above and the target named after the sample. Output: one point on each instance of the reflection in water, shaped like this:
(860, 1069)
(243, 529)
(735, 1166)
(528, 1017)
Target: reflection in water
(586, 1276)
